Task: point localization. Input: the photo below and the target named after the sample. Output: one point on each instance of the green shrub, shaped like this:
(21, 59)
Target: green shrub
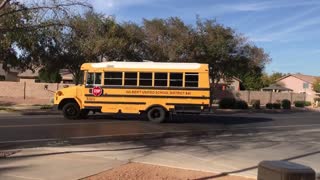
(276, 105)
(269, 105)
(255, 104)
(215, 101)
(307, 103)
(241, 105)
(299, 104)
(286, 104)
(227, 103)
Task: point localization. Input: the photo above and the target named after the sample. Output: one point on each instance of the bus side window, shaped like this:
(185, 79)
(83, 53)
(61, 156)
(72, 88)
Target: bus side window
(90, 78)
(113, 78)
(176, 79)
(145, 79)
(191, 79)
(93, 79)
(97, 80)
(130, 78)
(160, 79)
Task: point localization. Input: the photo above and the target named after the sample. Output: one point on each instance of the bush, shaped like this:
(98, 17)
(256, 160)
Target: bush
(227, 103)
(286, 104)
(241, 105)
(255, 104)
(215, 101)
(307, 103)
(269, 105)
(299, 104)
(276, 106)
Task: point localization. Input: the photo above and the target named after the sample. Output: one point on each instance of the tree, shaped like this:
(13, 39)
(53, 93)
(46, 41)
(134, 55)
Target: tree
(229, 54)
(90, 37)
(54, 34)
(49, 76)
(316, 85)
(21, 25)
(40, 13)
(167, 40)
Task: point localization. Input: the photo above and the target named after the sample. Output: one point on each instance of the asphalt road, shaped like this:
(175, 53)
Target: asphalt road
(37, 130)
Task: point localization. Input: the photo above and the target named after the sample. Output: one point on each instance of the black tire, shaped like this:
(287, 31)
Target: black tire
(71, 111)
(156, 115)
(84, 114)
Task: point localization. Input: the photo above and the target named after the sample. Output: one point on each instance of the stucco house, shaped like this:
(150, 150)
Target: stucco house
(10, 75)
(30, 76)
(299, 83)
(228, 84)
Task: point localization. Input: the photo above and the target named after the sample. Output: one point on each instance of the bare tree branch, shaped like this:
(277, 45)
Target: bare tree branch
(54, 7)
(4, 2)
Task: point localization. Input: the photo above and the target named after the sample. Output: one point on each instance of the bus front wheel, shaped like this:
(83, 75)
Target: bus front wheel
(156, 114)
(71, 111)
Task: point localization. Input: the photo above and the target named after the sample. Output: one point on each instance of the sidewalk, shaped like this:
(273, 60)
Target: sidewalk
(29, 109)
(91, 163)
(49, 164)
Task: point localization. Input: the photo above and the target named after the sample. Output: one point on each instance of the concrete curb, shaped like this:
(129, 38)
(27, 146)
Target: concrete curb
(39, 112)
(233, 111)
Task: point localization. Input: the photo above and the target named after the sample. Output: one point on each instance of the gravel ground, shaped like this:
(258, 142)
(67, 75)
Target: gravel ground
(135, 171)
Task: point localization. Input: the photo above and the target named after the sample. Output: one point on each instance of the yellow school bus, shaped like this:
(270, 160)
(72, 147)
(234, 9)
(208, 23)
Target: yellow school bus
(154, 88)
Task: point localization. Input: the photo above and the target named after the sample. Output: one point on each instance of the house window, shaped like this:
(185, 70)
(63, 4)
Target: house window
(113, 78)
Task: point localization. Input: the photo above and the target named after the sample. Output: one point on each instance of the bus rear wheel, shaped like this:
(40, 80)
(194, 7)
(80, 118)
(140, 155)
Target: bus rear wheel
(156, 114)
(71, 111)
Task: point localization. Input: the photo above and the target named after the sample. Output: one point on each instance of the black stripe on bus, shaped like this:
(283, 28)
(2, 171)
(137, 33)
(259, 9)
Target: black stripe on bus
(112, 102)
(92, 107)
(185, 104)
(160, 88)
(148, 96)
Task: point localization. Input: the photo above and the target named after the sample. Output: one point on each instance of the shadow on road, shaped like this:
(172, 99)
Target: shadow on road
(254, 167)
(180, 119)
(207, 119)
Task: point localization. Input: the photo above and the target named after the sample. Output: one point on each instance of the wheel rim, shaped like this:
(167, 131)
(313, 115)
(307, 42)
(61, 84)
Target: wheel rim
(71, 111)
(155, 114)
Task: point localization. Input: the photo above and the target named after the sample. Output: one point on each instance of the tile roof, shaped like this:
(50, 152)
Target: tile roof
(306, 78)
(303, 77)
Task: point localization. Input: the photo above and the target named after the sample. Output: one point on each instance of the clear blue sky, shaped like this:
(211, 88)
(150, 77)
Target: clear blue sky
(289, 30)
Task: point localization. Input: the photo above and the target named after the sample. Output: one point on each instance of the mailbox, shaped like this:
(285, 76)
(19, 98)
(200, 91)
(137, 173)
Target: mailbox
(284, 170)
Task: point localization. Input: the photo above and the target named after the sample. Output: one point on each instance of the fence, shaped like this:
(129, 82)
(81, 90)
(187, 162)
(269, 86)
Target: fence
(264, 97)
(29, 90)
(32, 90)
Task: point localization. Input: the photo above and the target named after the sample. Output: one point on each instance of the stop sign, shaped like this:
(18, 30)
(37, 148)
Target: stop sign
(97, 91)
